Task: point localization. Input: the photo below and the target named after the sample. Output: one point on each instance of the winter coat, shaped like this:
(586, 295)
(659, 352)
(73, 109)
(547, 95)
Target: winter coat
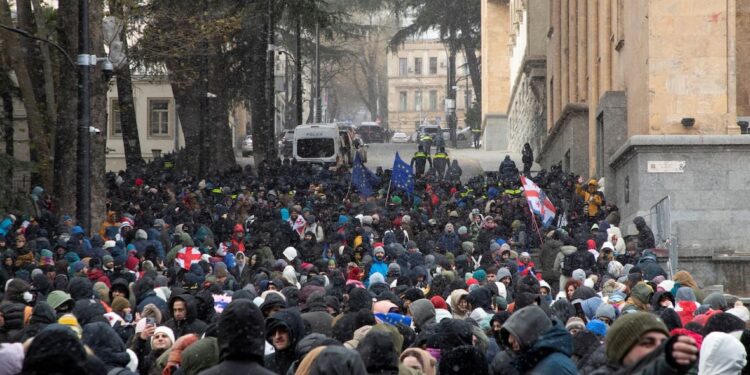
(280, 360)
(191, 324)
(454, 299)
(337, 360)
(721, 354)
(564, 250)
(549, 354)
(107, 345)
(55, 349)
(449, 242)
(645, 235)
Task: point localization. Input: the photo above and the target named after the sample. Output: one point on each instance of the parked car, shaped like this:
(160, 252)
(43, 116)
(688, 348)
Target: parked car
(371, 132)
(464, 134)
(247, 145)
(286, 143)
(400, 138)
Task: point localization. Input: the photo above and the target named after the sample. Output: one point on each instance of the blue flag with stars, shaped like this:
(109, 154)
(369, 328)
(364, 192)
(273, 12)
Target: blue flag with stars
(361, 177)
(402, 176)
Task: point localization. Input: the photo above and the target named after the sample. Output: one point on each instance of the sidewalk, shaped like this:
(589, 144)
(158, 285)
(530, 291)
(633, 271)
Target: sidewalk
(488, 160)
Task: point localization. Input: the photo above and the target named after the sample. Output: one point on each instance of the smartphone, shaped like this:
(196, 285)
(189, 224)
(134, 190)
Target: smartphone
(150, 321)
(579, 311)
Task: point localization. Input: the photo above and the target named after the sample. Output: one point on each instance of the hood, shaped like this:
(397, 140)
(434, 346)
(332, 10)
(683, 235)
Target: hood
(568, 249)
(716, 301)
(455, 297)
(480, 297)
(80, 288)
(55, 347)
(359, 299)
(590, 305)
(555, 339)
(239, 325)
(527, 324)
(721, 353)
(190, 306)
(422, 311)
(106, 344)
(451, 333)
(378, 352)
(292, 321)
(43, 314)
(338, 360)
(290, 275)
(685, 294)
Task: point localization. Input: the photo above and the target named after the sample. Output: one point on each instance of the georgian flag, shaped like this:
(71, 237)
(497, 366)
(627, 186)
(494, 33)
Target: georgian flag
(187, 256)
(538, 201)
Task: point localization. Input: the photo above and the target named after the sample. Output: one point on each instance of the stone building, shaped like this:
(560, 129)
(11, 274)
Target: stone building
(417, 82)
(648, 95)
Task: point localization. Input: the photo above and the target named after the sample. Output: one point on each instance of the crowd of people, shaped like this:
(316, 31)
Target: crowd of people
(285, 269)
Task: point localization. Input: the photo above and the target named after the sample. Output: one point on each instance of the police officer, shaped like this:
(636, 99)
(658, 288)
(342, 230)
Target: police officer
(420, 159)
(477, 132)
(426, 143)
(440, 163)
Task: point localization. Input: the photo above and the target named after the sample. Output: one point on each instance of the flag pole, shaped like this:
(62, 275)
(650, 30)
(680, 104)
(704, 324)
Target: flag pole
(531, 211)
(387, 195)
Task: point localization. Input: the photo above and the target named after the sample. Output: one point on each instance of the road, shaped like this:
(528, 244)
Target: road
(472, 162)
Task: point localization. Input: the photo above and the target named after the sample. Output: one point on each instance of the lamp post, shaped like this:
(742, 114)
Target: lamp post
(83, 151)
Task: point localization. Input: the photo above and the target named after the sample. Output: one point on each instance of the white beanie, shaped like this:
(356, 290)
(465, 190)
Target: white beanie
(141, 234)
(739, 310)
(165, 330)
(109, 244)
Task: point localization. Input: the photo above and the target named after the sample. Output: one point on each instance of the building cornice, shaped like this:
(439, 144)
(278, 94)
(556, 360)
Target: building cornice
(569, 110)
(676, 141)
(528, 65)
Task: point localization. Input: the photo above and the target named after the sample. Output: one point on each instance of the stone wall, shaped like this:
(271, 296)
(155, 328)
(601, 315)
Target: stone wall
(709, 208)
(527, 115)
(567, 140)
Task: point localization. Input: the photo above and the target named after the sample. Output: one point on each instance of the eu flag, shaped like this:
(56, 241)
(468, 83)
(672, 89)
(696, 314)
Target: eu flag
(361, 177)
(402, 176)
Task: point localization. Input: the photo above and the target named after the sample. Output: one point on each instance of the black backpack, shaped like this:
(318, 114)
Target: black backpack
(571, 263)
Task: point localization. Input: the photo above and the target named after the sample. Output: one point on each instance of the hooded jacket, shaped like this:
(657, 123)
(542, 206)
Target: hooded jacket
(106, 344)
(280, 361)
(191, 323)
(721, 354)
(378, 353)
(423, 313)
(454, 299)
(56, 348)
(337, 360)
(548, 354)
(240, 345)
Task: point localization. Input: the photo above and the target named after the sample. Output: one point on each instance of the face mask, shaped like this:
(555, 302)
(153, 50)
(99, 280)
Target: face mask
(28, 297)
(129, 317)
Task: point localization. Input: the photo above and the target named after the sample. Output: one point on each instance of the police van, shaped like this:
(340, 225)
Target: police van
(324, 144)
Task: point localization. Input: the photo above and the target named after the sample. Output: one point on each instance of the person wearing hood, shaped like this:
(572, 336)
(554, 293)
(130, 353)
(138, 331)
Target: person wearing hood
(290, 277)
(459, 304)
(145, 294)
(56, 349)
(240, 340)
(310, 249)
(721, 354)
(316, 314)
(686, 280)
(649, 267)
(283, 330)
(449, 241)
(419, 360)
(566, 251)
(107, 346)
(540, 345)
(184, 316)
(378, 264)
(645, 235)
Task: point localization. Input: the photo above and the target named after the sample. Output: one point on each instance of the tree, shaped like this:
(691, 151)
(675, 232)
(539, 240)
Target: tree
(458, 23)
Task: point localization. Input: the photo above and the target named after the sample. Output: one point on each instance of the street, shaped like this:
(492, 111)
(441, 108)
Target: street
(472, 161)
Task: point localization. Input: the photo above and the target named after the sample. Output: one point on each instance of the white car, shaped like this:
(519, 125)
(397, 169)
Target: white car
(247, 145)
(399, 138)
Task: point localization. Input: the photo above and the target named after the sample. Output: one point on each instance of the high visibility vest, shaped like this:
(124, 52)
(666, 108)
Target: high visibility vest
(426, 138)
(476, 130)
(440, 155)
(420, 155)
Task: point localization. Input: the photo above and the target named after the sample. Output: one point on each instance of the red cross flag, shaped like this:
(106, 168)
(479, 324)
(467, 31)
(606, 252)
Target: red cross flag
(187, 256)
(538, 201)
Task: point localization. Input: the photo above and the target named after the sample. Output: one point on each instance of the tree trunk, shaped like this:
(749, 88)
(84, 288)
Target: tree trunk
(99, 89)
(6, 96)
(221, 148)
(475, 71)
(37, 135)
(30, 50)
(261, 126)
(49, 81)
(130, 137)
(67, 110)
(187, 100)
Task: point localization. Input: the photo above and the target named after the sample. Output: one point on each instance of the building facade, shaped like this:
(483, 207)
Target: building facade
(647, 95)
(417, 83)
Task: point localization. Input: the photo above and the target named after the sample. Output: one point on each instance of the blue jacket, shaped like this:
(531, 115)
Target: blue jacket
(379, 267)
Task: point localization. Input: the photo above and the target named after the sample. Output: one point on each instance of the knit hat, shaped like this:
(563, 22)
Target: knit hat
(378, 250)
(109, 244)
(597, 326)
(165, 330)
(57, 297)
(439, 302)
(480, 275)
(579, 275)
(627, 330)
(739, 310)
(605, 310)
(107, 258)
(71, 321)
(642, 292)
(462, 230)
(575, 323)
(120, 304)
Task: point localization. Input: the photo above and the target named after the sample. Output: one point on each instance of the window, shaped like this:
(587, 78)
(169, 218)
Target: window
(316, 147)
(158, 117)
(418, 100)
(402, 67)
(418, 66)
(115, 119)
(402, 101)
(433, 65)
(433, 100)
(156, 153)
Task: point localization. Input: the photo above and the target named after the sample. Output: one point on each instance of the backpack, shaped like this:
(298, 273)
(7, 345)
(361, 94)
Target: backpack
(571, 262)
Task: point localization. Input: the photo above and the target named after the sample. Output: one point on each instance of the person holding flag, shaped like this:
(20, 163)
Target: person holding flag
(402, 176)
(539, 204)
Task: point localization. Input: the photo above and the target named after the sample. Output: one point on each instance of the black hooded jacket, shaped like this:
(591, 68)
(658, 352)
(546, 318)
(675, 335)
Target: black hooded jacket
(280, 361)
(80, 288)
(106, 344)
(240, 340)
(55, 349)
(378, 353)
(191, 324)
